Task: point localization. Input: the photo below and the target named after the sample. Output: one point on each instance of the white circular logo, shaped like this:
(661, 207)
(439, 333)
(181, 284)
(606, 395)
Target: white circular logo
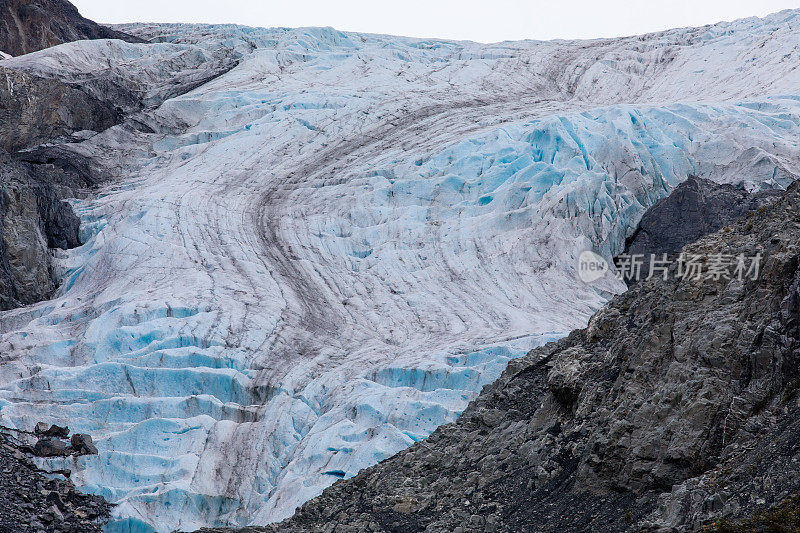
(591, 266)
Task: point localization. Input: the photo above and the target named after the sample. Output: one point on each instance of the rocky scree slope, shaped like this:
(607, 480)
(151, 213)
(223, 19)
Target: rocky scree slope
(30, 25)
(33, 500)
(674, 408)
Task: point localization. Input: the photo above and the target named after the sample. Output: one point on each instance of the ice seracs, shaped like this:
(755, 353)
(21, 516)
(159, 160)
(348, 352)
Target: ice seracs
(320, 255)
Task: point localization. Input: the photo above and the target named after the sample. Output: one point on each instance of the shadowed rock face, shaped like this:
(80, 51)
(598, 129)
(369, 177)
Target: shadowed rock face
(33, 218)
(30, 25)
(43, 110)
(35, 109)
(675, 407)
(695, 208)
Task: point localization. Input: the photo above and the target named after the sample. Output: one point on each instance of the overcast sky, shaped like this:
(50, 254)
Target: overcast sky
(483, 21)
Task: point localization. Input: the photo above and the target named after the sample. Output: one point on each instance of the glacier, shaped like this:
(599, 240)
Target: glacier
(321, 253)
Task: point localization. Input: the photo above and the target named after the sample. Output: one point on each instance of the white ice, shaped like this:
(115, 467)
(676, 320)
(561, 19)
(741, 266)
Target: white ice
(312, 261)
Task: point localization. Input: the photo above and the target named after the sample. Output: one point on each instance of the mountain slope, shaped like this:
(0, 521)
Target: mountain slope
(327, 247)
(676, 406)
(30, 25)
(695, 208)
(43, 111)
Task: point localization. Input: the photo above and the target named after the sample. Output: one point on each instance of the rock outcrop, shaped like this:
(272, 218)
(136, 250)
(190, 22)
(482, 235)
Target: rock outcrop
(81, 444)
(50, 447)
(39, 115)
(33, 216)
(33, 219)
(51, 443)
(34, 109)
(675, 408)
(43, 430)
(43, 110)
(694, 209)
(27, 26)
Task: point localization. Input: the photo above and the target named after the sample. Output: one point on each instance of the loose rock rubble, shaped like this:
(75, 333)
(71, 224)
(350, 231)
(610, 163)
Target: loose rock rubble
(50, 443)
(32, 500)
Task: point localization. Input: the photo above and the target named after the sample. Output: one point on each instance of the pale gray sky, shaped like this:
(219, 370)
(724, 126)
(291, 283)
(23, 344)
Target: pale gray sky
(477, 20)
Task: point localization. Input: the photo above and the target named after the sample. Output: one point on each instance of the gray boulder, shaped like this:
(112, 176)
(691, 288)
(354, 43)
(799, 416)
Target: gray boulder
(51, 431)
(30, 25)
(50, 447)
(82, 444)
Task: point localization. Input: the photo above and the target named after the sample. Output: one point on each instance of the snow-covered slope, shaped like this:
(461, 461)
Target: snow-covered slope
(313, 260)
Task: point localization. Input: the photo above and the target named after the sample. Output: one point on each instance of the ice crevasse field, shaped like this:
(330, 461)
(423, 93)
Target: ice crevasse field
(310, 262)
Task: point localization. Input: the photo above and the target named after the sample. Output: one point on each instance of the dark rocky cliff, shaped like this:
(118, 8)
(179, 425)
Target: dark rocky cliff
(44, 113)
(34, 179)
(30, 25)
(675, 409)
(33, 218)
(695, 208)
(34, 110)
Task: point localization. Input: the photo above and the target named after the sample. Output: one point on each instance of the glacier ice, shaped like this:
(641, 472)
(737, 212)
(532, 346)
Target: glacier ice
(313, 260)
